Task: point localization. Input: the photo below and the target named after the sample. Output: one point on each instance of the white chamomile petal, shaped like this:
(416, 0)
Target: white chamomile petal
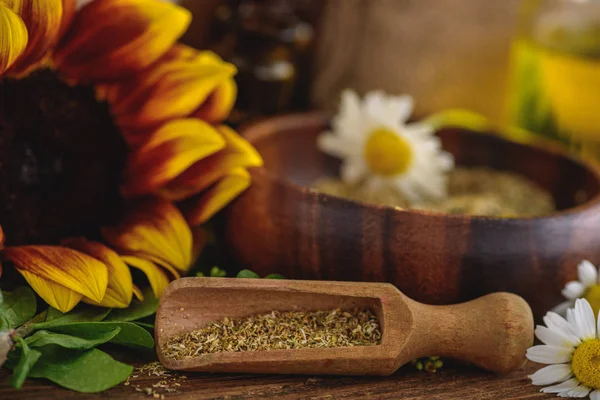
(558, 323)
(595, 395)
(403, 107)
(555, 337)
(579, 392)
(562, 308)
(573, 290)
(545, 354)
(551, 374)
(583, 319)
(352, 171)
(332, 145)
(587, 273)
(562, 387)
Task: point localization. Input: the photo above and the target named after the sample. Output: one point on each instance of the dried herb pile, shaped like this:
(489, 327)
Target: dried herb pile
(471, 191)
(279, 330)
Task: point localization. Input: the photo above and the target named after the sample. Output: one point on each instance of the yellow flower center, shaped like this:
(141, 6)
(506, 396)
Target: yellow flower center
(387, 154)
(586, 363)
(592, 295)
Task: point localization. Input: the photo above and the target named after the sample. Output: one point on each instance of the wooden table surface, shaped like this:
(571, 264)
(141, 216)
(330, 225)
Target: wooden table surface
(451, 382)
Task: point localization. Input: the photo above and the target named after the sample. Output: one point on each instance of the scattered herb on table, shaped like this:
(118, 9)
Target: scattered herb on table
(170, 381)
(279, 330)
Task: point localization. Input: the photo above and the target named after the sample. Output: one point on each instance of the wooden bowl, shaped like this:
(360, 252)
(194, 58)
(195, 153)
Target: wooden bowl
(279, 225)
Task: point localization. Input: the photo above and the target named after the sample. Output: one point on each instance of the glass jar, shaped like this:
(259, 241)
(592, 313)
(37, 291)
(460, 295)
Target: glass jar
(556, 72)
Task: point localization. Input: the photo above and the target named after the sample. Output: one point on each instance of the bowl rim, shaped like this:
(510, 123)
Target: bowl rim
(250, 132)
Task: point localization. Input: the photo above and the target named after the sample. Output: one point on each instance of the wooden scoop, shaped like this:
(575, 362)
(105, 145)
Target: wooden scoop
(492, 332)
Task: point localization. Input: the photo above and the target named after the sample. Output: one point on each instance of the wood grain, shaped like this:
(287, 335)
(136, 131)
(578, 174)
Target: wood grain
(452, 382)
(496, 340)
(280, 226)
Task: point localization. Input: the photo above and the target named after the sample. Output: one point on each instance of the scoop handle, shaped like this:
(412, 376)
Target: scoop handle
(492, 332)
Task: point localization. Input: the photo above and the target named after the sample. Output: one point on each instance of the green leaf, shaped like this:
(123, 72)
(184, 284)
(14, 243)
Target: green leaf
(26, 362)
(17, 308)
(83, 313)
(130, 334)
(216, 272)
(246, 273)
(145, 325)
(275, 276)
(87, 371)
(137, 309)
(87, 341)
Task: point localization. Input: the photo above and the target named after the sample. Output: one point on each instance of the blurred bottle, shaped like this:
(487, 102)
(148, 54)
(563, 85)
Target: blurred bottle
(270, 42)
(556, 72)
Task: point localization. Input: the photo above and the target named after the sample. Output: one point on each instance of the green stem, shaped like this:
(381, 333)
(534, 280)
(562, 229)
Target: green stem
(28, 326)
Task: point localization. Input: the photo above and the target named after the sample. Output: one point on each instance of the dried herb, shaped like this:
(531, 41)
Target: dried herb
(279, 330)
(170, 381)
(471, 191)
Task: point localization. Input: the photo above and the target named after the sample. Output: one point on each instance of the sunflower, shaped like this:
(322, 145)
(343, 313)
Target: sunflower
(111, 146)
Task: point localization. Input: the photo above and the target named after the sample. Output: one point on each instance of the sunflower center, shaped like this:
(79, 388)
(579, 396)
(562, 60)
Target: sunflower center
(586, 363)
(60, 160)
(592, 295)
(386, 153)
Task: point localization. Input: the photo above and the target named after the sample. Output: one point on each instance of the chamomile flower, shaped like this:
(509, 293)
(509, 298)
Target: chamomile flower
(586, 286)
(572, 351)
(378, 147)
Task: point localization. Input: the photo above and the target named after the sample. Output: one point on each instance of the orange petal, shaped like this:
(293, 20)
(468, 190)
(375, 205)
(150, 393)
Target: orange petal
(219, 104)
(69, 9)
(169, 151)
(156, 276)
(109, 39)
(237, 153)
(120, 285)
(2, 238)
(175, 89)
(13, 37)
(56, 295)
(218, 196)
(43, 21)
(69, 268)
(156, 231)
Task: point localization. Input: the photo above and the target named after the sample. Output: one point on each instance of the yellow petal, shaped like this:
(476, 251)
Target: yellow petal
(176, 88)
(156, 231)
(217, 197)
(219, 104)
(169, 151)
(43, 21)
(56, 295)
(109, 39)
(138, 293)
(156, 276)
(69, 268)
(120, 285)
(237, 153)
(13, 38)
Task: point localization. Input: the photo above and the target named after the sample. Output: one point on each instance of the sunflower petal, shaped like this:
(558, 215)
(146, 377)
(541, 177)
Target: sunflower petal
(169, 151)
(13, 37)
(219, 104)
(69, 9)
(69, 268)
(176, 88)
(156, 276)
(109, 39)
(154, 231)
(137, 292)
(43, 22)
(120, 285)
(54, 294)
(237, 153)
(218, 196)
